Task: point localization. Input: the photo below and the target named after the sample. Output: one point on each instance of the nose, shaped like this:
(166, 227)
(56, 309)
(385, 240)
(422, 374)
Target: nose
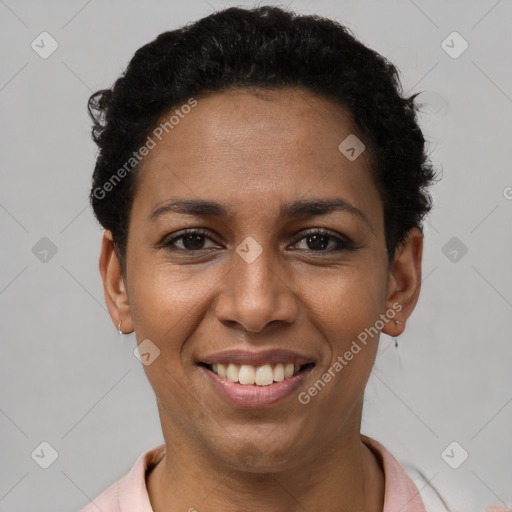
(256, 294)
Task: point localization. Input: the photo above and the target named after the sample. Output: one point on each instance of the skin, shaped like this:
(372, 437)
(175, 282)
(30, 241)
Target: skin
(253, 152)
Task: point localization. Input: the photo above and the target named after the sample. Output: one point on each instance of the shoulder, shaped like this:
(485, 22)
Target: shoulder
(129, 492)
(432, 499)
(406, 479)
(404, 488)
(107, 501)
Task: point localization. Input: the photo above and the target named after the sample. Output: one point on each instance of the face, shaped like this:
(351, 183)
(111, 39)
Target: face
(255, 241)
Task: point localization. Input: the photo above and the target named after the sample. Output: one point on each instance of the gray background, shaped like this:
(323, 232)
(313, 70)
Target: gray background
(69, 379)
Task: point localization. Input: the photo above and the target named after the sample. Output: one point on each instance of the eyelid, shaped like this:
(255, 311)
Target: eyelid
(166, 241)
(343, 243)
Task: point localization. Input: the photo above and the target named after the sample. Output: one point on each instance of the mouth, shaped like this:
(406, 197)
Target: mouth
(251, 380)
(262, 375)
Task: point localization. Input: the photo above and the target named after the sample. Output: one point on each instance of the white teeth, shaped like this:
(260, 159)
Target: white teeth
(247, 374)
(264, 375)
(279, 372)
(221, 370)
(289, 370)
(261, 375)
(232, 372)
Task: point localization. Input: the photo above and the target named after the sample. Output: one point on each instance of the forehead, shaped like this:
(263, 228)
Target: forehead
(263, 144)
(268, 120)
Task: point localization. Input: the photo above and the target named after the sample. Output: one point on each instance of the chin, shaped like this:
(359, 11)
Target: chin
(260, 451)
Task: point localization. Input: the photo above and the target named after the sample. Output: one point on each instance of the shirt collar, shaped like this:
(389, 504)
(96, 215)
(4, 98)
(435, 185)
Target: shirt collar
(400, 494)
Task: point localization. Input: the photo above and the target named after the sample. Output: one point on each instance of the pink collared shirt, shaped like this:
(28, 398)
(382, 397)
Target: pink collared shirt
(129, 494)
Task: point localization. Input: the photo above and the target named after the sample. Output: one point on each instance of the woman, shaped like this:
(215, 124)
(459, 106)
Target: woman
(262, 183)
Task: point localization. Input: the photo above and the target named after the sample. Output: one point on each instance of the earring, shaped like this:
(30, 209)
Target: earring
(119, 328)
(396, 340)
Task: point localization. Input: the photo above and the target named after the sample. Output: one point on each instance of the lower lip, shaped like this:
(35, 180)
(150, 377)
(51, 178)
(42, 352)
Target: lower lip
(252, 396)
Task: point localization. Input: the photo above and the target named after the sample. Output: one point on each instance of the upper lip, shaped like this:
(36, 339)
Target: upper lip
(269, 356)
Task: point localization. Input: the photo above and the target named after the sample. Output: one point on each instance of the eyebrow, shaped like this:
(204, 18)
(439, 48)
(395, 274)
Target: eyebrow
(297, 209)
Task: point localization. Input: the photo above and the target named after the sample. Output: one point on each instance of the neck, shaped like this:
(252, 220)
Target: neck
(344, 478)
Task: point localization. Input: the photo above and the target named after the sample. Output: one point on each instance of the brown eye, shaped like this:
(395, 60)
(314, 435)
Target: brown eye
(319, 240)
(190, 240)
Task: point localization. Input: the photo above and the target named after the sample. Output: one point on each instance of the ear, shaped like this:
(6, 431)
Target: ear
(404, 282)
(116, 296)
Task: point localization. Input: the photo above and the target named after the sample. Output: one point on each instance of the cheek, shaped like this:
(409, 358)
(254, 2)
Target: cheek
(347, 308)
(348, 303)
(167, 305)
(166, 299)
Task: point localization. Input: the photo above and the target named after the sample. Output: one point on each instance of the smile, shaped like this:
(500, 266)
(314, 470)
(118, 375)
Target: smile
(250, 379)
(262, 375)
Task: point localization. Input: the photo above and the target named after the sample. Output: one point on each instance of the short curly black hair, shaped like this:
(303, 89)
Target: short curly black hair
(263, 47)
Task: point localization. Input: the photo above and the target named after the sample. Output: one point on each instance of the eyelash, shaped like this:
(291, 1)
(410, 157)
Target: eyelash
(341, 244)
